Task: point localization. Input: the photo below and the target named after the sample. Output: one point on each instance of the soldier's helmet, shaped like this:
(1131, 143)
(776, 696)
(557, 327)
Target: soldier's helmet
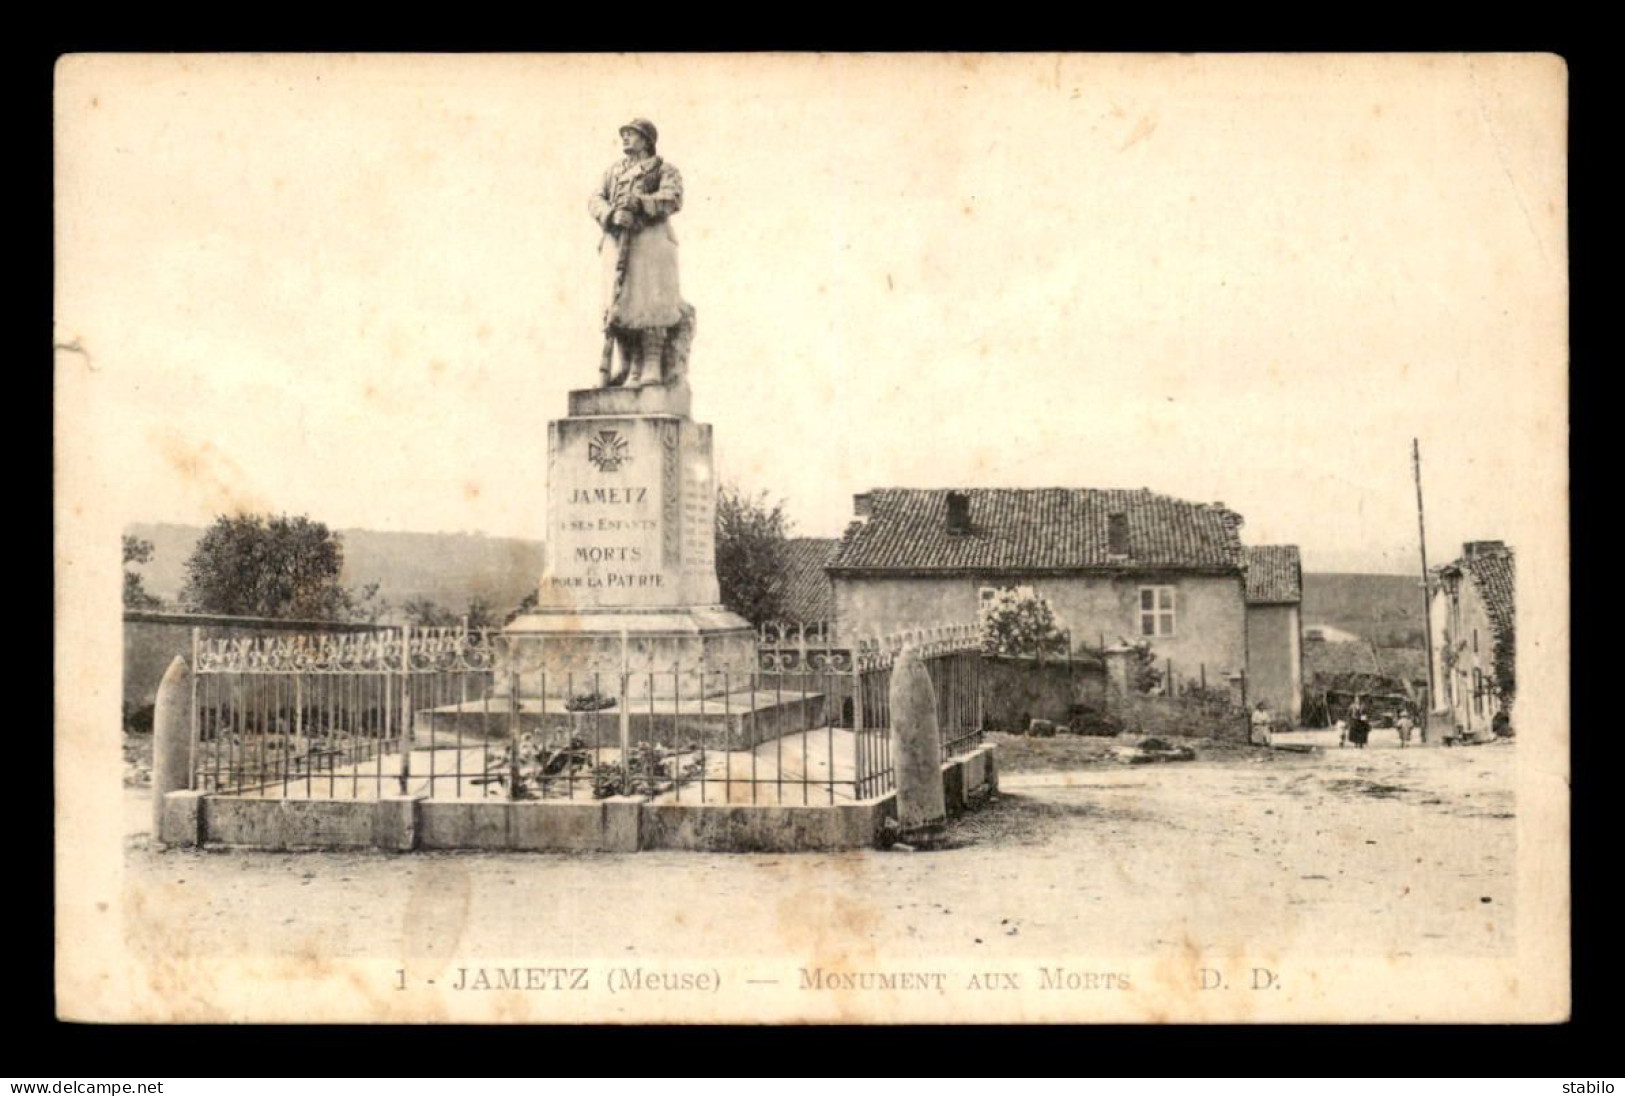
(645, 127)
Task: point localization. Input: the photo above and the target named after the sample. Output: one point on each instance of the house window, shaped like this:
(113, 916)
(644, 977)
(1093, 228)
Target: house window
(1475, 641)
(1156, 610)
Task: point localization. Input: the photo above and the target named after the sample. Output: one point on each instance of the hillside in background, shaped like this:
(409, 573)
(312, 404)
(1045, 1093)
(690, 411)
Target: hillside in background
(452, 568)
(1386, 609)
(448, 568)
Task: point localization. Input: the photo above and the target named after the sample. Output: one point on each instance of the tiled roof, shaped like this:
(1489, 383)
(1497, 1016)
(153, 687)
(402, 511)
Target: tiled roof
(1043, 529)
(1321, 657)
(1274, 575)
(808, 598)
(1492, 571)
(1355, 667)
(1403, 663)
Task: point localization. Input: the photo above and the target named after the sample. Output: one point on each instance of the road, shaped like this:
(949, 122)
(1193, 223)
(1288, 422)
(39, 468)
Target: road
(1382, 852)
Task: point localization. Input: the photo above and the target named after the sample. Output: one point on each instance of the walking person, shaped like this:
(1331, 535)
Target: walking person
(1359, 724)
(1405, 725)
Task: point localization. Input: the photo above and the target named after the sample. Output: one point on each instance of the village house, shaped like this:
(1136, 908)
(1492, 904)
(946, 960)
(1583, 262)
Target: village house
(1474, 642)
(1275, 629)
(1114, 566)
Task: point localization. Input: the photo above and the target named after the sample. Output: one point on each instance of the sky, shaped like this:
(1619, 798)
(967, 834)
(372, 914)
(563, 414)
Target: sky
(359, 287)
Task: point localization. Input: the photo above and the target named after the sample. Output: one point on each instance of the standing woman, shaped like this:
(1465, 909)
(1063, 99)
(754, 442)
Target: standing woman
(1359, 724)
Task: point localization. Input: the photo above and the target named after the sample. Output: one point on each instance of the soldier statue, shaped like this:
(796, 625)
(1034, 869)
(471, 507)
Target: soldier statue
(644, 314)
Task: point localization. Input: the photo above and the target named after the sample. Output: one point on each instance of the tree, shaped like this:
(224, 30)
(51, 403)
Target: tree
(1018, 622)
(480, 614)
(528, 605)
(752, 552)
(427, 613)
(137, 550)
(284, 567)
(366, 605)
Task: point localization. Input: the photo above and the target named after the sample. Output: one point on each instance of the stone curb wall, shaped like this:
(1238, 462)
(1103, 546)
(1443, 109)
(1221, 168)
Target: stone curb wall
(620, 824)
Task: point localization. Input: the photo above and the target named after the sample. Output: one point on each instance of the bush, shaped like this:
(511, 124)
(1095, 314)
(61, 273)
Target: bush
(1144, 677)
(138, 718)
(1020, 623)
(589, 702)
(1086, 719)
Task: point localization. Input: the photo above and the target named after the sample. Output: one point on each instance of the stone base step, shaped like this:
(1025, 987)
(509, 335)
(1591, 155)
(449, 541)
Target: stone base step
(737, 721)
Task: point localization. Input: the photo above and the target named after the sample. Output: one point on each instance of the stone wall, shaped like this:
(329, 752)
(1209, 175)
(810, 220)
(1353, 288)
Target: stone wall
(1467, 688)
(1164, 715)
(620, 824)
(1017, 690)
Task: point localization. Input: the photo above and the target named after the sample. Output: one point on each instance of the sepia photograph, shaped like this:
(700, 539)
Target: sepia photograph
(812, 538)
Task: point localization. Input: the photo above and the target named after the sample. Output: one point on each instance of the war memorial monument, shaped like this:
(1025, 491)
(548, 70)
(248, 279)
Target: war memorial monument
(630, 579)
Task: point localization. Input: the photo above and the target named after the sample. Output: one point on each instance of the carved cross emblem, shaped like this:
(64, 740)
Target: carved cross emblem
(607, 450)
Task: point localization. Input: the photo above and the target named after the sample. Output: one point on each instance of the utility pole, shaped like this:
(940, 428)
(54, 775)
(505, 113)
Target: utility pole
(1427, 595)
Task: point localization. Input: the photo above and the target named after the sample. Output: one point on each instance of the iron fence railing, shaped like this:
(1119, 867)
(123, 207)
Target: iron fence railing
(453, 713)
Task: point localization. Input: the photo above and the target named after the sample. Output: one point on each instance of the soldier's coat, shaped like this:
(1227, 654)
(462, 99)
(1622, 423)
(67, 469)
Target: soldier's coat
(651, 296)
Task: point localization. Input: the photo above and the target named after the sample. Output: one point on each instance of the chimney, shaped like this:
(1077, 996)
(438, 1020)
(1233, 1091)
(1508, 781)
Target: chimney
(1117, 534)
(863, 505)
(958, 513)
(1474, 548)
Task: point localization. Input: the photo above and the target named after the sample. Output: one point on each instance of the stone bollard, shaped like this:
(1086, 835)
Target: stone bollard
(916, 746)
(171, 739)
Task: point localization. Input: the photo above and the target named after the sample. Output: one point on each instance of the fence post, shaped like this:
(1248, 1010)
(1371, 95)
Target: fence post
(626, 716)
(976, 664)
(513, 729)
(407, 736)
(196, 731)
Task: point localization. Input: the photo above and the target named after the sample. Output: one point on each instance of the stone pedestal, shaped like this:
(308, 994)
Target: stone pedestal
(630, 582)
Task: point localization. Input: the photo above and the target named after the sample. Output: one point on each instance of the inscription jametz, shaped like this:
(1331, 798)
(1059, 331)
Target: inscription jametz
(626, 496)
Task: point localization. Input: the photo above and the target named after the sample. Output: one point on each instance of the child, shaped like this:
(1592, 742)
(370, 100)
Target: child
(1261, 725)
(1405, 725)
